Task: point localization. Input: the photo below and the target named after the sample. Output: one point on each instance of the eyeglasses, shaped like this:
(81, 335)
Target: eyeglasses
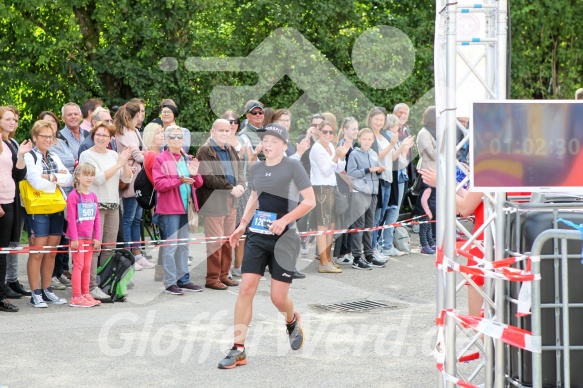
(46, 137)
(176, 136)
(166, 112)
(256, 112)
(327, 132)
(102, 135)
(283, 121)
(234, 122)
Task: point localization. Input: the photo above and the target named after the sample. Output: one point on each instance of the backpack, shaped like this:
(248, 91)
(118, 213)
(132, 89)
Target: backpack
(145, 192)
(402, 239)
(116, 273)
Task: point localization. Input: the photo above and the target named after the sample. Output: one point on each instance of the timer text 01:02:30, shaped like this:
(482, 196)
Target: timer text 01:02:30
(536, 147)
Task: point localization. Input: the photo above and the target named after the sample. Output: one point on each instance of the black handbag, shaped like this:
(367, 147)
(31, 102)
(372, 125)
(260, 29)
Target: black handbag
(340, 202)
(416, 186)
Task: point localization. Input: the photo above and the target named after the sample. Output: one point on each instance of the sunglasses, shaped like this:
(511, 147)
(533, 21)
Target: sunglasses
(327, 132)
(234, 122)
(176, 136)
(256, 112)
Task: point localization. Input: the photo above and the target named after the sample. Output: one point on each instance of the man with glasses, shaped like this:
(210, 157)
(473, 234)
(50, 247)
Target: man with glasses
(223, 185)
(255, 114)
(100, 114)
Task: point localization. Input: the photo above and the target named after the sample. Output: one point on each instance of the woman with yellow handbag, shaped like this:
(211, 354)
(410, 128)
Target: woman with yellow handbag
(46, 174)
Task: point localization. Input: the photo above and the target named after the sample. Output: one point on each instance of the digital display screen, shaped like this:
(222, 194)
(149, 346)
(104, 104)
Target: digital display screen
(526, 146)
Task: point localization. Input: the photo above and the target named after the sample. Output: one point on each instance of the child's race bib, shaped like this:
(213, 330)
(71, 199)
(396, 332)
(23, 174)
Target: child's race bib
(262, 221)
(86, 211)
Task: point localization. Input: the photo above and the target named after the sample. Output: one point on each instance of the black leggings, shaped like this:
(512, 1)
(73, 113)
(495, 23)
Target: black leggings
(6, 229)
(425, 233)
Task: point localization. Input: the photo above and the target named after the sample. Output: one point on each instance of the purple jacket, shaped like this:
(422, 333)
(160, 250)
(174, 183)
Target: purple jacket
(167, 184)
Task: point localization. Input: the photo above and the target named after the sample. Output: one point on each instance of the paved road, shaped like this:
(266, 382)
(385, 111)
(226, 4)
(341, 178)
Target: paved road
(156, 339)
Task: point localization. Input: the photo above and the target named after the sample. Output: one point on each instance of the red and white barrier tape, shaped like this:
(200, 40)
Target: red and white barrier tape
(510, 335)
(495, 269)
(194, 240)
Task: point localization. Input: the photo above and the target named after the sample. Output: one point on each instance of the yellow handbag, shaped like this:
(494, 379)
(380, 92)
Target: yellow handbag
(39, 202)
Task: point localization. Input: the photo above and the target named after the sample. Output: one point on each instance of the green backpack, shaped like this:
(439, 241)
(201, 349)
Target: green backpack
(116, 273)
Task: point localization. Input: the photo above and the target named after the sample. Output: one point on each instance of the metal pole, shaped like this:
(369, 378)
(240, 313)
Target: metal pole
(502, 25)
(565, 310)
(450, 183)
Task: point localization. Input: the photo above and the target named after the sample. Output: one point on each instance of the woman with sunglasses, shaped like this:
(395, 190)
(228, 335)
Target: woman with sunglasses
(325, 161)
(311, 137)
(242, 146)
(176, 179)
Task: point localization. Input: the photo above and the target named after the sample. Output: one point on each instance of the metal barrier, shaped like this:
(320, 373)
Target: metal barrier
(562, 346)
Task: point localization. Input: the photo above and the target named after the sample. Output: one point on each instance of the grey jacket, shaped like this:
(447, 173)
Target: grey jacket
(358, 167)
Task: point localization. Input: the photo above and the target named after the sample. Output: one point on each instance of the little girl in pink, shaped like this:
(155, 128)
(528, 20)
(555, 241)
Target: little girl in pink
(84, 233)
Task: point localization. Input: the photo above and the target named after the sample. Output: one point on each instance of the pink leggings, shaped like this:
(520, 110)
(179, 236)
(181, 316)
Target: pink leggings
(81, 268)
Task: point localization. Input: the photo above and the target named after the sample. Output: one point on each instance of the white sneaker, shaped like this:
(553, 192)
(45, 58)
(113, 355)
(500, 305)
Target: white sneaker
(64, 281)
(57, 285)
(137, 267)
(37, 301)
(144, 263)
(380, 257)
(393, 252)
(50, 297)
(98, 294)
(344, 260)
(236, 272)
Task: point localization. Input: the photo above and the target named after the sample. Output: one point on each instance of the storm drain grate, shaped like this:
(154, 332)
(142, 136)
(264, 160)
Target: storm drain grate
(359, 305)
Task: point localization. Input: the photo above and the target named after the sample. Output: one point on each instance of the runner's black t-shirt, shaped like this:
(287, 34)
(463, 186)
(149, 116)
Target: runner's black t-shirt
(278, 186)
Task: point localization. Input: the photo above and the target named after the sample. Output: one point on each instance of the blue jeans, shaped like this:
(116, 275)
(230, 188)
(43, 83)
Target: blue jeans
(42, 225)
(131, 217)
(379, 214)
(392, 217)
(175, 257)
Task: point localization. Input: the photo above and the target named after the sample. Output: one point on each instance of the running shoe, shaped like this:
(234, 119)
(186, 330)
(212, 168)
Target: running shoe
(234, 358)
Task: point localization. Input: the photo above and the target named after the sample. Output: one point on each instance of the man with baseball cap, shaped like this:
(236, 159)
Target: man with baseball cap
(255, 114)
(272, 240)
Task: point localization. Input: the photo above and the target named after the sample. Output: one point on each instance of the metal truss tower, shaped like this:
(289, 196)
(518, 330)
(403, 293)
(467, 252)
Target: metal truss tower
(470, 65)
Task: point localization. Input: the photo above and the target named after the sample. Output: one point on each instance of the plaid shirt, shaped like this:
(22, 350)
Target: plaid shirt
(49, 165)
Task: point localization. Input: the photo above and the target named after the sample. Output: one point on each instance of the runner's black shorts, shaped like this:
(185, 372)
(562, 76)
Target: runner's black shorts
(279, 253)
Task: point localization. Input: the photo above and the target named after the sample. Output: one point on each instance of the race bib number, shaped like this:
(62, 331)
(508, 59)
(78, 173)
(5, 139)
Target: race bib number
(86, 211)
(262, 221)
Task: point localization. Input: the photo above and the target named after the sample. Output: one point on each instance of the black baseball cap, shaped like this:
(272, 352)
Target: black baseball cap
(252, 104)
(274, 130)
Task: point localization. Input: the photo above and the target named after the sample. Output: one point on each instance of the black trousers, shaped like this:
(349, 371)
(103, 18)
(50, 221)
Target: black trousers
(6, 229)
